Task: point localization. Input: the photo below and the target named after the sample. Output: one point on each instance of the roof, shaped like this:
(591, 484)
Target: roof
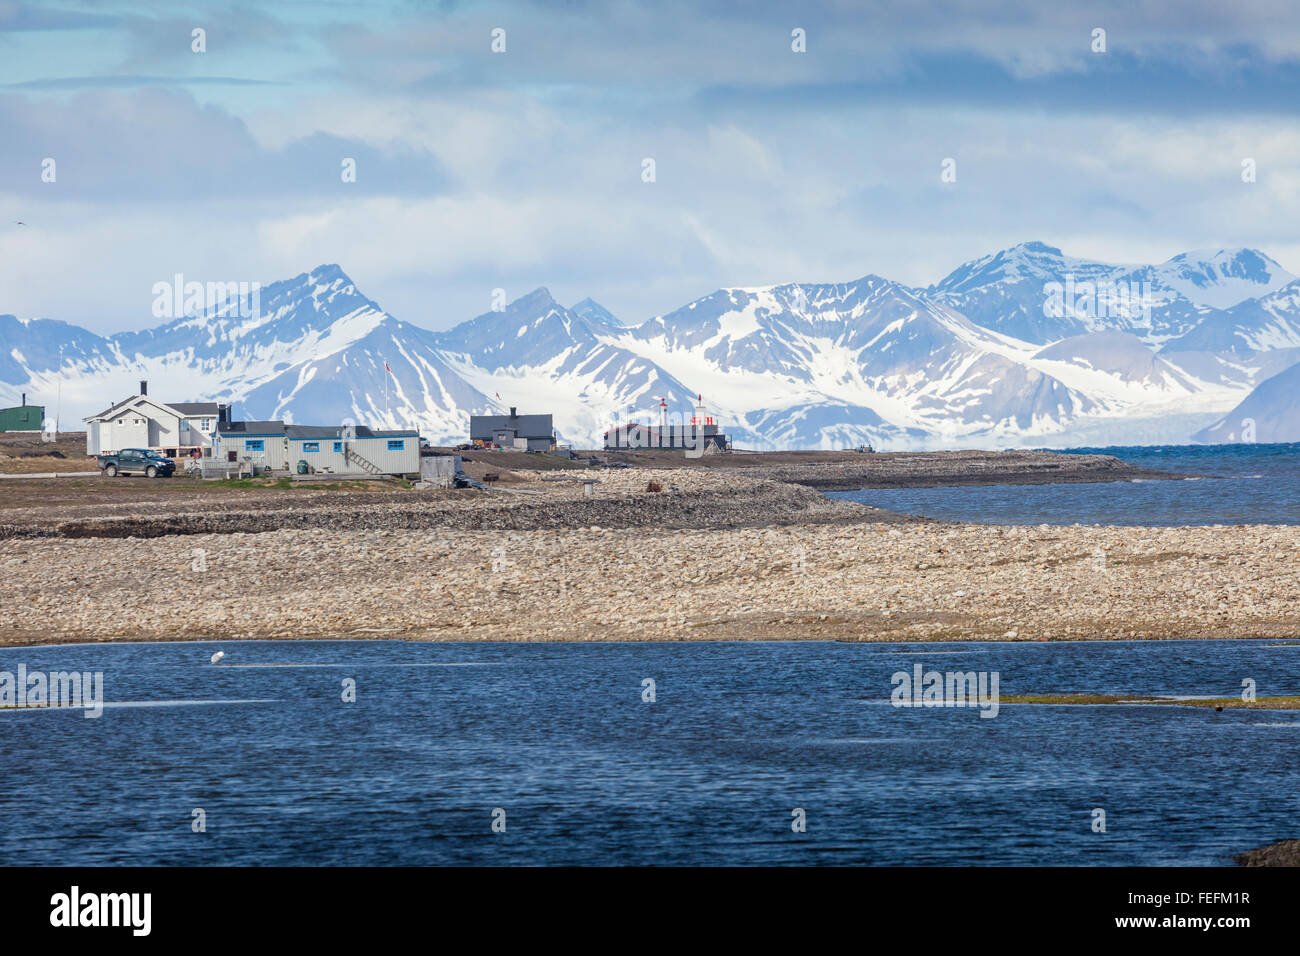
(310, 432)
(251, 428)
(299, 432)
(130, 398)
(196, 408)
(181, 408)
(528, 426)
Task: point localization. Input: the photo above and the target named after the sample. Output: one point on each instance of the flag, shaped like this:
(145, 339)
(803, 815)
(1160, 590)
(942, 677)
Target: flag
(498, 394)
(386, 368)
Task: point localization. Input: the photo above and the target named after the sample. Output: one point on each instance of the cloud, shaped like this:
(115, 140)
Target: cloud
(477, 170)
(162, 146)
(29, 18)
(122, 81)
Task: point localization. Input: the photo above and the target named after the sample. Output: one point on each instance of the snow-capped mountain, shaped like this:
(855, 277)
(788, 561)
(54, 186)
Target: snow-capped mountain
(973, 361)
(1120, 354)
(778, 361)
(1219, 278)
(313, 349)
(1270, 413)
(1256, 325)
(1035, 292)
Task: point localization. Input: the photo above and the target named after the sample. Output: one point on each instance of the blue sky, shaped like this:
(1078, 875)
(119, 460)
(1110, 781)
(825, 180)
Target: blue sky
(478, 170)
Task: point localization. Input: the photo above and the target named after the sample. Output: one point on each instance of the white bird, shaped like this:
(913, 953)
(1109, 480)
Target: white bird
(216, 658)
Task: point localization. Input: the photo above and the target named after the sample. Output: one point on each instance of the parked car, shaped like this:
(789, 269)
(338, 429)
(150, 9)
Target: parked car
(137, 461)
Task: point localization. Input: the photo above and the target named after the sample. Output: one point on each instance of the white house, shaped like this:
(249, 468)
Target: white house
(173, 428)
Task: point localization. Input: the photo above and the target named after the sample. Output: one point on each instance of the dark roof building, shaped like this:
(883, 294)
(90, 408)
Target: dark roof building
(538, 431)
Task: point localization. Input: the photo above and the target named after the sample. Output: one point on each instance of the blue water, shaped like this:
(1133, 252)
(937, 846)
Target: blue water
(557, 735)
(1242, 484)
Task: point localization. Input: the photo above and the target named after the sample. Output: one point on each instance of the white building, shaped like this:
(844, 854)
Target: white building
(173, 428)
(326, 449)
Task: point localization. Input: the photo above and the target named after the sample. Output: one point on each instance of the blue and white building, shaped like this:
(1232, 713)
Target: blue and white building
(327, 449)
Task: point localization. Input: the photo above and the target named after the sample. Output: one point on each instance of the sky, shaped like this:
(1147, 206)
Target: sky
(479, 170)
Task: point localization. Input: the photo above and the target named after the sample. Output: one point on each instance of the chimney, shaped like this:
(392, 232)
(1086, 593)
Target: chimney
(24, 399)
(512, 412)
(144, 387)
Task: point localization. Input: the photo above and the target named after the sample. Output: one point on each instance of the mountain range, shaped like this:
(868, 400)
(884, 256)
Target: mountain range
(1025, 347)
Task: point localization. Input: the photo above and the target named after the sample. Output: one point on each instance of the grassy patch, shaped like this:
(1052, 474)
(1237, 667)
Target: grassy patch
(1227, 703)
(254, 483)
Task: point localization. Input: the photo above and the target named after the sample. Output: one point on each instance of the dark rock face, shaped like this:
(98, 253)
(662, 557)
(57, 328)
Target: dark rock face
(1282, 853)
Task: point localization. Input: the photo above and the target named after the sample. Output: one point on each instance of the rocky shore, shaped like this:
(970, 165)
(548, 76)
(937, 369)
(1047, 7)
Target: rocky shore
(533, 501)
(852, 576)
(683, 553)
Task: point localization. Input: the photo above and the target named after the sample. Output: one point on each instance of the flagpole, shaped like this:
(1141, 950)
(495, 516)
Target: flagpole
(388, 421)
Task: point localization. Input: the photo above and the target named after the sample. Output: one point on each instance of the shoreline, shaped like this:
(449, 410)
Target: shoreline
(716, 554)
(720, 491)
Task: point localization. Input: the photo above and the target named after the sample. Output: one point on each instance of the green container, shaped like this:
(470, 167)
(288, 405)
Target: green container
(302, 467)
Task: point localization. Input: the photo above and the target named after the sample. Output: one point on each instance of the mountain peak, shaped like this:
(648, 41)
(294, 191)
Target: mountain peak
(1036, 247)
(539, 298)
(328, 274)
(1222, 278)
(593, 311)
(1223, 255)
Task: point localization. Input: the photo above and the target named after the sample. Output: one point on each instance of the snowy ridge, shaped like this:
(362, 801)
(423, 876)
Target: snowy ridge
(975, 360)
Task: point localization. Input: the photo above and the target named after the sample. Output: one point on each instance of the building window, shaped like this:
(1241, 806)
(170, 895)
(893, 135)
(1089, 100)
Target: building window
(311, 446)
(338, 446)
(253, 444)
(205, 424)
(396, 444)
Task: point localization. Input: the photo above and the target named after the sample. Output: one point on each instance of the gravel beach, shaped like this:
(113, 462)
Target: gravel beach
(716, 555)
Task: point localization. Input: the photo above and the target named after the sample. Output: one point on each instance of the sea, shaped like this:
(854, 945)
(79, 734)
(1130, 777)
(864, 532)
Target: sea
(749, 753)
(1219, 485)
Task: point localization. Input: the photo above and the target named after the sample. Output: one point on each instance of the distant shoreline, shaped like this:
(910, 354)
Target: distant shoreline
(854, 471)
